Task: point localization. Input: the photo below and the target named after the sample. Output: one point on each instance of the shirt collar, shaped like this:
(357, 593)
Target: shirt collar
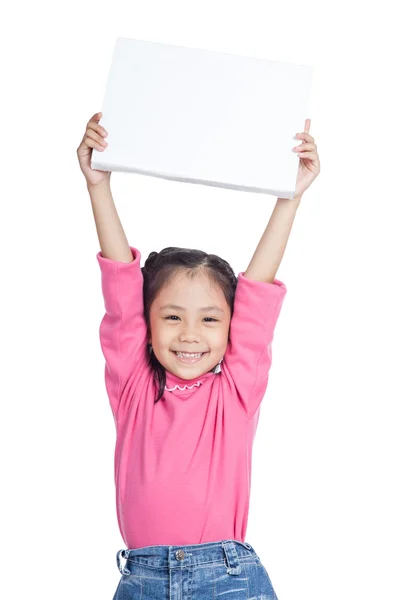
(175, 383)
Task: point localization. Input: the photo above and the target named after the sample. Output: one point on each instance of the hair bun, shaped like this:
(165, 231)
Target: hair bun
(151, 259)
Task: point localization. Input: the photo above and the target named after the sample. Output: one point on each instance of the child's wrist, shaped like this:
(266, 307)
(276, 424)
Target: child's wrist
(100, 185)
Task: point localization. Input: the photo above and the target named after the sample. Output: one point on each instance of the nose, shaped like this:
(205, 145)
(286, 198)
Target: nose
(189, 335)
(189, 338)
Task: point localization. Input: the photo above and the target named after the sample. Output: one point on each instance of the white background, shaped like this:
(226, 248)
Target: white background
(324, 499)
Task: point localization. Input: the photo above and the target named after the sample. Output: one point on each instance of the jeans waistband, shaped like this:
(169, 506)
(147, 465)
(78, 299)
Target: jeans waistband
(188, 555)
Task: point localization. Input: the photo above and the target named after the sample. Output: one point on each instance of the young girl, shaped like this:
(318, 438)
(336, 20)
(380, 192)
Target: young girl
(187, 347)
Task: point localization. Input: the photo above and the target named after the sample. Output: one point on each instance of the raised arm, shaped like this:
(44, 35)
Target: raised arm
(112, 239)
(258, 302)
(259, 296)
(123, 330)
(271, 247)
(269, 252)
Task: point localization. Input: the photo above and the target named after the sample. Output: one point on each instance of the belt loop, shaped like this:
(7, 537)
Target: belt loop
(249, 546)
(234, 567)
(120, 553)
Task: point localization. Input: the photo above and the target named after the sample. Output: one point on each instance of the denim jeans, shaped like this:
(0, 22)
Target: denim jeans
(228, 569)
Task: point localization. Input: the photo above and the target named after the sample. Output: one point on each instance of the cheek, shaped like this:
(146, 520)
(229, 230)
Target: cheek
(165, 334)
(220, 340)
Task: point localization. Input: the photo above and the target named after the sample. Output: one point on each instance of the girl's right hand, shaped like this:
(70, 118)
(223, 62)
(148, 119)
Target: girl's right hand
(93, 138)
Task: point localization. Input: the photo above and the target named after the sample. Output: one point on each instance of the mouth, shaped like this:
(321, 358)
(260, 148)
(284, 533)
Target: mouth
(189, 357)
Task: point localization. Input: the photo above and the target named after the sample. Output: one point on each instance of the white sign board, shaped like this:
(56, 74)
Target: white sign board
(204, 117)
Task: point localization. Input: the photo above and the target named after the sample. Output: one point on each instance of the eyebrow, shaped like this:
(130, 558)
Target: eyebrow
(176, 307)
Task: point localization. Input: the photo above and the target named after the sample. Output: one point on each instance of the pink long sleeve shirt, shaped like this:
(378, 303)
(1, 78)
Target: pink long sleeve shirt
(183, 464)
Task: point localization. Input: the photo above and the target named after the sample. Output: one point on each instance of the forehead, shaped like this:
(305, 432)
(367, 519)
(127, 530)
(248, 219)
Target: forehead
(196, 290)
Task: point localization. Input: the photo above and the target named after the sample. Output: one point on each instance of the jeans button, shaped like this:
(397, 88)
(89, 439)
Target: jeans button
(180, 555)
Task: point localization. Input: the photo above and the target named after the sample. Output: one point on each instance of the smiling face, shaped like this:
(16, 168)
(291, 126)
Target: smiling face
(197, 322)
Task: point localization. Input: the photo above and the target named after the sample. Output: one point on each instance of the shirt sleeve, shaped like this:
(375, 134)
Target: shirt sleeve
(248, 356)
(123, 330)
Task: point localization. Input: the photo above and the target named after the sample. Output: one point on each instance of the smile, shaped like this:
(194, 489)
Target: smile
(190, 357)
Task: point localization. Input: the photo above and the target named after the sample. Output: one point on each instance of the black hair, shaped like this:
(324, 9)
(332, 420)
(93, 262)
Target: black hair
(160, 268)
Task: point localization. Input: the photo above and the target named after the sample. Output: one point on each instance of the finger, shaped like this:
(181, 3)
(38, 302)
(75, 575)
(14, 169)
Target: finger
(304, 136)
(92, 144)
(305, 146)
(96, 118)
(307, 125)
(93, 140)
(98, 128)
(311, 155)
(86, 143)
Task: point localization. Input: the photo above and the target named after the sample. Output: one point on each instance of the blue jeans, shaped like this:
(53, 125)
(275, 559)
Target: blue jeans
(228, 569)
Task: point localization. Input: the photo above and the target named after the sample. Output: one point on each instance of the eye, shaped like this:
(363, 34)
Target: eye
(172, 317)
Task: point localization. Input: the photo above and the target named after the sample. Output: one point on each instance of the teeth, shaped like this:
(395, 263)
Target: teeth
(189, 355)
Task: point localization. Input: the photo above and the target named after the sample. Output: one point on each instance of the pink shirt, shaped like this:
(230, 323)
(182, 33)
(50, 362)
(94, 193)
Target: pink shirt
(183, 464)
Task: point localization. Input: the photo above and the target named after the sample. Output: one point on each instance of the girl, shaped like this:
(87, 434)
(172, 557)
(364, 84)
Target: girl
(187, 347)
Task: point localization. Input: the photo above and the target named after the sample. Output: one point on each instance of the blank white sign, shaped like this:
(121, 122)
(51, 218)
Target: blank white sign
(204, 117)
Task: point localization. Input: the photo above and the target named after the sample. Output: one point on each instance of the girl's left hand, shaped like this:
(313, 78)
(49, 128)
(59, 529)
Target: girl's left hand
(309, 166)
